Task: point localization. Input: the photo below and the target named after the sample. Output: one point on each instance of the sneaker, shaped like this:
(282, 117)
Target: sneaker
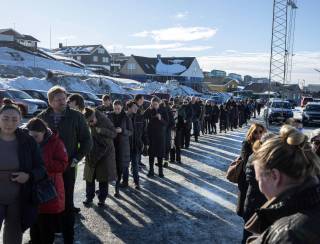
(150, 174)
(161, 175)
(117, 195)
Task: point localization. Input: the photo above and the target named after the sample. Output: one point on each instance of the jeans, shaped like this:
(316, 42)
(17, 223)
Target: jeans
(91, 188)
(12, 233)
(135, 157)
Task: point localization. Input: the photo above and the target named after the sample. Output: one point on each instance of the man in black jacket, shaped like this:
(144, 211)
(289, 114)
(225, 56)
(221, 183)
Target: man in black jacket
(196, 114)
(74, 132)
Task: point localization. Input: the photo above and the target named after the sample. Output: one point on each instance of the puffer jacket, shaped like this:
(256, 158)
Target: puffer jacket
(55, 159)
(293, 217)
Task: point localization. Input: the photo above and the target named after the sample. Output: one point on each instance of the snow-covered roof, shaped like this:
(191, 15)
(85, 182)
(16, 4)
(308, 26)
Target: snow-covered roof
(76, 50)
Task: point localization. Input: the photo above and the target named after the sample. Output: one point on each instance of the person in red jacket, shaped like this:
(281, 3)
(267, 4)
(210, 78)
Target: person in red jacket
(56, 160)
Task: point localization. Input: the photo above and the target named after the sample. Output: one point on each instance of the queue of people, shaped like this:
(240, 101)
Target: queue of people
(278, 186)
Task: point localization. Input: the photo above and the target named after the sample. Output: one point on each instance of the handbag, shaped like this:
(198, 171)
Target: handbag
(44, 191)
(234, 171)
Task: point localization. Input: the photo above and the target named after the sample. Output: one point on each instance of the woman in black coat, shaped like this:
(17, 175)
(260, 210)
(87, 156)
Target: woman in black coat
(157, 120)
(123, 126)
(223, 114)
(21, 168)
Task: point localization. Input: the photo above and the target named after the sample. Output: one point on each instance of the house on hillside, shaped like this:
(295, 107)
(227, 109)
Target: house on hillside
(221, 84)
(235, 76)
(10, 35)
(95, 57)
(217, 73)
(185, 70)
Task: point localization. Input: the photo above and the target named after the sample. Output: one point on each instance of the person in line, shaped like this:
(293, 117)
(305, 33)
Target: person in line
(223, 114)
(76, 102)
(196, 117)
(287, 170)
(100, 163)
(214, 117)
(74, 132)
(254, 198)
(175, 151)
(124, 130)
(21, 166)
(254, 134)
(170, 125)
(208, 117)
(55, 159)
(106, 106)
(157, 122)
(139, 101)
(186, 114)
(138, 140)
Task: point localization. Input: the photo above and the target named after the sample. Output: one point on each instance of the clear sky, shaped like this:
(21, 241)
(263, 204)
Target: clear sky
(233, 35)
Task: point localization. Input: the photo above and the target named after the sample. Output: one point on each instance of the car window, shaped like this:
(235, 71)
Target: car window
(281, 105)
(313, 108)
(19, 94)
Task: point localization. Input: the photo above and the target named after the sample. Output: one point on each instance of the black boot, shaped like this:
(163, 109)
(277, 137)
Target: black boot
(151, 168)
(160, 168)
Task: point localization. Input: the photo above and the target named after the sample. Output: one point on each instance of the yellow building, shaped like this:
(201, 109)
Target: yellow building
(221, 84)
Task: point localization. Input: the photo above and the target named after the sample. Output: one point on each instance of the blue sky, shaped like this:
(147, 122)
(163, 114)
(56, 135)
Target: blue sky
(232, 34)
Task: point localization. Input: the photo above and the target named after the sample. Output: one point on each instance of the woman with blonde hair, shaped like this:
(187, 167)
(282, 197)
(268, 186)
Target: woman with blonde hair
(287, 170)
(254, 133)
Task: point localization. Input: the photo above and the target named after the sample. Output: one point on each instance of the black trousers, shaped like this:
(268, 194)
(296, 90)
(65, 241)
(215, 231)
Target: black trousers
(42, 232)
(186, 135)
(214, 126)
(175, 154)
(207, 125)
(151, 164)
(68, 217)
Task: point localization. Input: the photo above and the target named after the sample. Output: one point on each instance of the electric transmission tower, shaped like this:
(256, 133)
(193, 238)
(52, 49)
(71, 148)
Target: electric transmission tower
(282, 40)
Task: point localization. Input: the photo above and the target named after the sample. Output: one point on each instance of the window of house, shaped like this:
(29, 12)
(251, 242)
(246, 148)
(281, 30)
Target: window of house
(131, 66)
(79, 58)
(100, 50)
(95, 58)
(105, 59)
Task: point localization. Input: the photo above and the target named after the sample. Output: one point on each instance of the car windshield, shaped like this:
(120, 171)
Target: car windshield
(88, 95)
(313, 108)
(19, 94)
(281, 105)
(44, 94)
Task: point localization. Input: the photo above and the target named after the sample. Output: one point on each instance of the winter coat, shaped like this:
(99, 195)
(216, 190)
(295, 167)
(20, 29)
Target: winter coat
(55, 159)
(122, 140)
(254, 198)
(73, 131)
(100, 163)
(292, 217)
(170, 126)
(156, 132)
(196, 111)
(246, 151)
(139, 137)
(208, 112)
(30, 162)
(215, 114)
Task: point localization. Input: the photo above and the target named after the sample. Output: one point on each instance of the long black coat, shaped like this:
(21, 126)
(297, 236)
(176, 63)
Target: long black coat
(215, 114)
(292, 217)
(156, 132)
(138, 139)
(30, 161)
(122, 141)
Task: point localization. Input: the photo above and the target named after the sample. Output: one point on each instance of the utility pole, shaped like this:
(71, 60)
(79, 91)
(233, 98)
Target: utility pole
(282, 39)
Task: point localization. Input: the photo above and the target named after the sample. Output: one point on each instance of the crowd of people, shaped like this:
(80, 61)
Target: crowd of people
(113, 136)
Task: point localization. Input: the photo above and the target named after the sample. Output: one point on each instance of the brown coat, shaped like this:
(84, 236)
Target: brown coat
(100, 164)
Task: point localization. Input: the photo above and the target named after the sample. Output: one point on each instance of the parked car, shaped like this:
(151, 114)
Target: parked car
(278, 111)
(306, 100)
(37, 94)
(122, 97)
(89, 97)
(311, 113)
(86, 102)
(28, 105)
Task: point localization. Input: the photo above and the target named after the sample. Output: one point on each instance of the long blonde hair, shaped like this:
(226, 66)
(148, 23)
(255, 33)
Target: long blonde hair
(252, 129)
